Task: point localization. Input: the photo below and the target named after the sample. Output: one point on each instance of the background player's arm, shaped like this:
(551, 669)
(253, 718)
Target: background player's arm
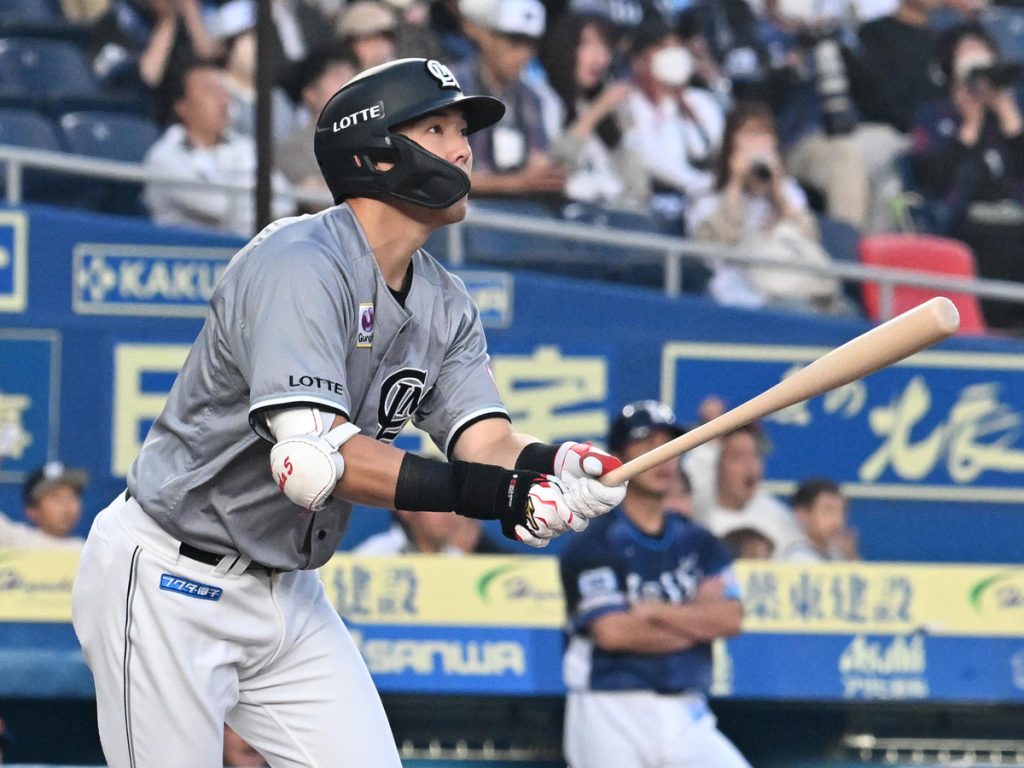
(710, 615)
(632, 632)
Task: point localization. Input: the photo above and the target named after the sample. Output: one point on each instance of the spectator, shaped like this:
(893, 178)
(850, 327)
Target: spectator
(431, 533)
(759, 207)
(850, 163)
(53, 505)
(139, 46)
(368, 28)
(967, 160)
(749, 543)
(470, 538)
(676, 129)
(236, 27)
(414, 533)
(587, 115)
(513, 159)
(647, 592)
(414, 36)
(898, 63)
(820, 510)
(202, 148)
(238, 753)
(738, 498)
(313, 81)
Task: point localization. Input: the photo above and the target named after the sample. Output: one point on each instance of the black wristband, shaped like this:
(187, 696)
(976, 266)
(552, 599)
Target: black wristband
(538, 457)
(481, 491)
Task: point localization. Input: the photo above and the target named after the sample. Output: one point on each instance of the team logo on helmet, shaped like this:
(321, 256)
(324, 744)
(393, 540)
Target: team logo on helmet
(400, 396)
(442, 74)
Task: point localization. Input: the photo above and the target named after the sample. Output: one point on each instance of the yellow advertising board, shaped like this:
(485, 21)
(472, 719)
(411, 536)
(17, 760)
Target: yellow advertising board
(525, 592)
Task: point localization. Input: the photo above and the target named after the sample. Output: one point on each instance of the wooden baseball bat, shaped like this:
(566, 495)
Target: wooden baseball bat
(888, 343)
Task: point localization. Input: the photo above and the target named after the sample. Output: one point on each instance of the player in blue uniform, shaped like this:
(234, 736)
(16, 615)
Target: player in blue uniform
(647, 591)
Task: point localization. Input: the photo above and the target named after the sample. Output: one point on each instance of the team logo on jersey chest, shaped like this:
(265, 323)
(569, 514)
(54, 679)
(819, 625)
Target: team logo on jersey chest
(400, 396)
(364, 333)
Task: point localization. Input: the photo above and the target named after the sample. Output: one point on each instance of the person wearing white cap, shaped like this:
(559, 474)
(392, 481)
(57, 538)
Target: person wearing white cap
(369, 28)
(513, 158)
(53, 506)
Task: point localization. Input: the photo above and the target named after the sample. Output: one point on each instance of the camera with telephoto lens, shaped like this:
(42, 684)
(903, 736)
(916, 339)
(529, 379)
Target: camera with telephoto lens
(999, 75)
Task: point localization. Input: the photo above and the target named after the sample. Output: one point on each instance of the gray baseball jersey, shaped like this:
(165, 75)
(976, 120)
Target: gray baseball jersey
(303, 315)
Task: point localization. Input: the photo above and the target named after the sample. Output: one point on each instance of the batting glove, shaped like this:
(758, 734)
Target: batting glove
(577, 465)
(537, 510)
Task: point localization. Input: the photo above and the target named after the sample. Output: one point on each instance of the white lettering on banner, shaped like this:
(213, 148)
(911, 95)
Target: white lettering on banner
(13, 436)
(134, 408)
(870, 669)
(553, 396)
(360, 116)
(190, 281)
(456, 658)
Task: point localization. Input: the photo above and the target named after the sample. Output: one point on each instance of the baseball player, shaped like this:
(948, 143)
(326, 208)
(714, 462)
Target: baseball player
(197, 601)
(647, 592)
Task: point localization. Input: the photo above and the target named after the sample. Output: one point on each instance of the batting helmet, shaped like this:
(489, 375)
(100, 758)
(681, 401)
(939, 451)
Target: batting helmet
(638, 420)
(359, 122)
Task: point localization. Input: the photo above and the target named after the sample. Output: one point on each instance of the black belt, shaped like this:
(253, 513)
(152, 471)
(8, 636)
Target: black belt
(211, 558)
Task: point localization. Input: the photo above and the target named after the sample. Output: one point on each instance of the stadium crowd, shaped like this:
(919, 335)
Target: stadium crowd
(786, 127)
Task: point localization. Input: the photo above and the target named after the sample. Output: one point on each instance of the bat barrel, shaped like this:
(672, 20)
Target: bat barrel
(888, 343)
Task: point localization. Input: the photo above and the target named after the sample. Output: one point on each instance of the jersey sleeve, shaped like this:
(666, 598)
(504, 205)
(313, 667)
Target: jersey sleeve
(294, 318)
(464, 392)
(593, 587)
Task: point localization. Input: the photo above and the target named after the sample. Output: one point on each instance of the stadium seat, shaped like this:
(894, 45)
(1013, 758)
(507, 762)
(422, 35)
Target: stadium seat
(921, 253)
(1006, 25)
(28, 128)
(44, 68)
(109, 136)
(27, 11)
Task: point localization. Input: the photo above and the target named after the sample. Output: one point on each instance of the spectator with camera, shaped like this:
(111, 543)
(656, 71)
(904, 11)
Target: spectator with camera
(827, 147)
(967, 160)
(759, 207)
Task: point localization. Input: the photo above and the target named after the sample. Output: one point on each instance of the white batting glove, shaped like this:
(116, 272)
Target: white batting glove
(540, 513)
(577, 466)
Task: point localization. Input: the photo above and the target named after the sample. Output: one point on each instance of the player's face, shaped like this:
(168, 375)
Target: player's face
(740, 470)
(443, 133)
(660, 480)
(57, 512)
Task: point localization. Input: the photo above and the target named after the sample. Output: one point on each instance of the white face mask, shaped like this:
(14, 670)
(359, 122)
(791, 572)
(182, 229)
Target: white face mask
(672, 66)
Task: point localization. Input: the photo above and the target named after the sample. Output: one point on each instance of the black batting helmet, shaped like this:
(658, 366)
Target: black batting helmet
(638, 420)
(359, 121)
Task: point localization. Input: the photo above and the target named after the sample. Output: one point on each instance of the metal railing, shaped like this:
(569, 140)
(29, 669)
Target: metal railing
(644, 246)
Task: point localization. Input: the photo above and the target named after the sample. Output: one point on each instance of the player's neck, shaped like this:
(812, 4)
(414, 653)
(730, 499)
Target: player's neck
(393, 236)
(645, 510)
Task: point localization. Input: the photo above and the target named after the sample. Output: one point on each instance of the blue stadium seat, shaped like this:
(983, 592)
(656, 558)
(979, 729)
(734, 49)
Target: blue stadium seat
(1006, 25)
(44, 68)
(109, 136)
(28, 128)
(27, 11)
